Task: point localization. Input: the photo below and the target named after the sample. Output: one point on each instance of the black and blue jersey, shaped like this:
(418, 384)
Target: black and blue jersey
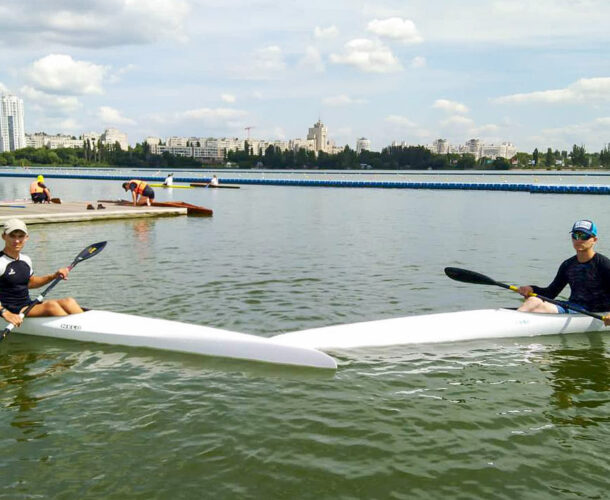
(14, 278)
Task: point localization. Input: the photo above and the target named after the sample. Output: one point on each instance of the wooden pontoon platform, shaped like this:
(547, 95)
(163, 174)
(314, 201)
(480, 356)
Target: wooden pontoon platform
(76, 211)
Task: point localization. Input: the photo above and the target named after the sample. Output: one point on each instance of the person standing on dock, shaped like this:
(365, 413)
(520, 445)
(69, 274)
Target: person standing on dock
(141, 192)
(587, 273)
(17, 277)
(169, 180)
(39, 192)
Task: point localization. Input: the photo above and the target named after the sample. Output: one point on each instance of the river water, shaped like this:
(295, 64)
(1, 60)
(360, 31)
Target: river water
(509, 418)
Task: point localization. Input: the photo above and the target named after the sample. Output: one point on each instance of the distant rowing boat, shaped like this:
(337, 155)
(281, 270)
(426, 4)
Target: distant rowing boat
(217, 186)
(173, 186)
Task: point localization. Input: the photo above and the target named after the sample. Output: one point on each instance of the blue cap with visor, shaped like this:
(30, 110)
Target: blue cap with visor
(585, 226)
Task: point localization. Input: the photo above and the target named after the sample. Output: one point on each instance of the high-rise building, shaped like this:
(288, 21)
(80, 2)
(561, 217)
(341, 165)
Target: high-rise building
(318, 133)
(112, 136)
(440, 146)
(12, 129)
(363, 144)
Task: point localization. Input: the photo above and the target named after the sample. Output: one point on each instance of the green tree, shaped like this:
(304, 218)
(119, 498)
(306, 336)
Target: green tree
(604, 157)
(535, 156)
(549, 158)
(579, 156)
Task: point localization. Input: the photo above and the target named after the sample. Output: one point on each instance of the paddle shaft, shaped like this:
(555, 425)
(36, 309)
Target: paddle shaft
(87, 253)
(467, 276)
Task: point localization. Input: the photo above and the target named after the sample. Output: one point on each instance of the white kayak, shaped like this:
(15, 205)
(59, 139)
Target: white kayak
(128, 330)
(441, 327)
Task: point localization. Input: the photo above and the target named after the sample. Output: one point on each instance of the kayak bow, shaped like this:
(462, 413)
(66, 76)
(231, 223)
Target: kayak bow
(127, 330)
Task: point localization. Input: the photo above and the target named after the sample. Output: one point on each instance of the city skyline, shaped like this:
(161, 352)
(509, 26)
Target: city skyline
(533, 75)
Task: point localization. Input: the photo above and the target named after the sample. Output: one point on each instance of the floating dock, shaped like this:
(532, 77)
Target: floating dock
(44, 213)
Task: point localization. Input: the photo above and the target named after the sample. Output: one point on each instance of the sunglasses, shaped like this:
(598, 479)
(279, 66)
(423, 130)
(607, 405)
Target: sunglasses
(581, 236)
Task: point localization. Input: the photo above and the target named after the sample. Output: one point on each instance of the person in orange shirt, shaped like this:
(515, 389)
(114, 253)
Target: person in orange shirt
(141, 192)
(39, 192)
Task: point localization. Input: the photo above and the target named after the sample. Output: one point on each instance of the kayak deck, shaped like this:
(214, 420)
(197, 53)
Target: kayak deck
(441, 327)
(128, 330)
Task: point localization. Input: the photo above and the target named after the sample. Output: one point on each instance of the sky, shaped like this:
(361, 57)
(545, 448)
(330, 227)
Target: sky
(536, 74)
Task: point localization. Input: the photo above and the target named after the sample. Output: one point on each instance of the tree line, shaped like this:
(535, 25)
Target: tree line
(390, 158)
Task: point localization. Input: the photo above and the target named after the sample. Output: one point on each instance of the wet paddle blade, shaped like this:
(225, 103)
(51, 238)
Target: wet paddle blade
(89, 252)
(466, 276)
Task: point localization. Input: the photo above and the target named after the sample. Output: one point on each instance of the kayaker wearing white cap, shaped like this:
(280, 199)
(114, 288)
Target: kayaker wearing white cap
(587, 273)
(17, 277)
(39, 191)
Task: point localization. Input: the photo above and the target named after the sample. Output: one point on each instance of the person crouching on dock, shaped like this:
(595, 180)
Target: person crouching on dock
(141, 192)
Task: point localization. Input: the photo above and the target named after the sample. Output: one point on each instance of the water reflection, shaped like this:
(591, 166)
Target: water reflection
(580, 379)
(18, 373)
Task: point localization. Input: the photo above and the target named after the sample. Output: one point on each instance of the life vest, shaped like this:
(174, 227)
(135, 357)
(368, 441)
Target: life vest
(35, 188)
(141, 186)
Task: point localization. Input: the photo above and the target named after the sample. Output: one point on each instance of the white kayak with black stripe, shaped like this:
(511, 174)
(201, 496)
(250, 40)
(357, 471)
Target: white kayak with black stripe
(440, 327)
(128, 330)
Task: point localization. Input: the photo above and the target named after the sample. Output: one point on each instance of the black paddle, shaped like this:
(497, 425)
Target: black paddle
(466, 276)
(87, 253)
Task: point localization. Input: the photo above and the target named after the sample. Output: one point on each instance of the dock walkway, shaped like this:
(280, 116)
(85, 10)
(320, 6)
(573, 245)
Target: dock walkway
(46, 213)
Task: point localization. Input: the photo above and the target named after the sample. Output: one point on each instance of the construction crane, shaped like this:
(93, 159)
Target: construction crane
(248, 129)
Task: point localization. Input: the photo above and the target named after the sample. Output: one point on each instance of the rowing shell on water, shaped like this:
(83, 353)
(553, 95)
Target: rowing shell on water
(441, 327)
(215, 186)
(173, 186)
(128, 330)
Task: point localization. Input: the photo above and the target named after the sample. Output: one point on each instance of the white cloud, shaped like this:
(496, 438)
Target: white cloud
(219, 118)
(60, 74)
(400, 121)
(326, 33)
(270, 59)
(113, 117)
(341, 100)
(593, 133)
(58, 125)
(367, 55)
(581, 91)
(458, 121)
(418, 62)
(228, 98)
(264, 64)
(95, 23)
(3, 88)
(485, 129)
(49, 102)
(117, 75)
(403, 30)
(450, 106)
(312, 60)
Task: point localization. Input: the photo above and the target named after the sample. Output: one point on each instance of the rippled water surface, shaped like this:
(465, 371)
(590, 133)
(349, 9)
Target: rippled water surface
(510, 418)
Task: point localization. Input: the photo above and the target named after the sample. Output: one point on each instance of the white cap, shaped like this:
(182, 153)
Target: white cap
(14, 225)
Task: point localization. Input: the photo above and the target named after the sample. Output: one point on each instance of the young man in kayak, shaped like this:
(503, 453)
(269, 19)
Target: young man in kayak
(169, 180)
(141, 192)
(587, 273)
(17, 277)
(39, 191)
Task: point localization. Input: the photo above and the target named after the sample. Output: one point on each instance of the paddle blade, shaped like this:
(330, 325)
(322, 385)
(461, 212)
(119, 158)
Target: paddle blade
(457, 274)
(89, 252)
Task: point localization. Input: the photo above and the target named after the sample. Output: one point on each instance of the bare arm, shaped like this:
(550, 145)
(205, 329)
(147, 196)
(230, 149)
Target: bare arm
(38, 281)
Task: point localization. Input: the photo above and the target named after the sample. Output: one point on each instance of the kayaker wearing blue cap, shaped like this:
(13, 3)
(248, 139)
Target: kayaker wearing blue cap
(17, 277)
(587, 273)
